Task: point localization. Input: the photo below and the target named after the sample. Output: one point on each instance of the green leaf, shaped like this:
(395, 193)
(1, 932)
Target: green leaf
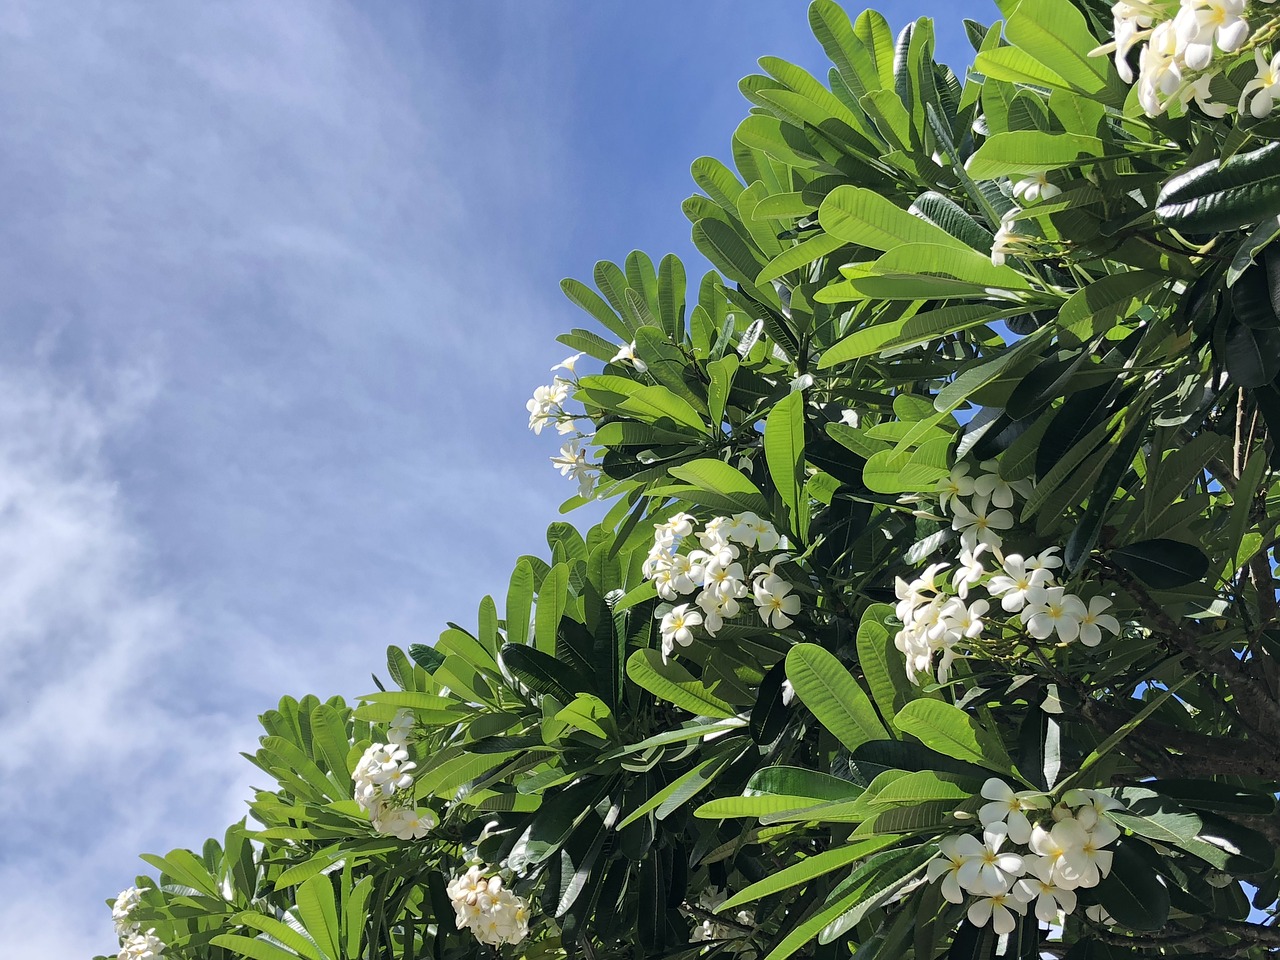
(673, 683)
(1016, 66)
(590, 301)
(782, 780)
(925, 785)
(1132, 892)
(253, 949)
(1056, 34)
(881, 662)
(656, 403)
(810, 868)
(543, 673)
(874, 882)
(909, 471)
(1030, 151)
(916, 329)
(278, 930)
(800, 255)
(721, 372)
(861, 216)
(1218, 196)
(319, 914)
(519, 603)
(716, 476)
(552, 600)
(1096, 307)
(1252, 355)
(186, 868)
(1162, 564)
(827, 688)
(949, 730)
(784, 453)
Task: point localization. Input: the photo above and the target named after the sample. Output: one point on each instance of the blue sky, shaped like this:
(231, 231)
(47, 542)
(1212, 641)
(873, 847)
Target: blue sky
(277, 281)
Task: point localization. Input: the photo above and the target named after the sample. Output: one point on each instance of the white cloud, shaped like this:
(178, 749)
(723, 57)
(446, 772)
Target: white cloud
(99, 761)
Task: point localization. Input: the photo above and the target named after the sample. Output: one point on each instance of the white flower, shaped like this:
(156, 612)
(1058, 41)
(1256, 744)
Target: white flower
(676, 528)
(709, 900)
(1033, 188)
(753, 532)
(946, 867)
(775, 601)
(141, 946)
(970, 570)
(1046, 559)
(957, 483)
(1074, 854)
(788, 693)
(1262, 92)
(677, 628)
(381, 771)
(1008, 242)
(1053, 610)
(547, 405)
(1038, 887)
(996, 488)
(849, 417)
(987, 871)
(1095, 621)
(1020, 583)
(125, 902)
(493, 914)
(1199, 92)
(1201, 23)
(404, 823)
(1000, 910)
(568, 363)
(716, 609)
(1098, 914)
(979, 523)
(1159, 69)
(1131, 21)
(726, 580)
(401, 728)
(1009, 808)
(627, 354)
(572, 463)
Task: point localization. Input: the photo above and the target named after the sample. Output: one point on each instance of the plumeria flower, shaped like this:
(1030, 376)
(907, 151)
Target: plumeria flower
(1019, 584)
(687, 571)
(1262, 92)
(979, 523)
(716, 609)
(726, 580)
(1083, 862)
(788, 693)
(676, 528)
(404, 823)
(1095, 621)
(677, 628)
(753, 532)
(999, 910)
(572, 463)
(568, 364)
(1202, 23)
(849, 417)
(1038, 888)
(1159, 69)
(401, 728)
(970, 570)
(957, 483)
(141, 946)
(546, 405)
(1098, 914)
(1035, 187)
(946, 867)
(963, 620)
(771, 565)
(1199, 91)
(1008, 242)
(775, 601)
(1046, 559)
(1009, 808)
(987, 871)
(995, 487)
(1054, 611)
(1131, 22)
(627, 354)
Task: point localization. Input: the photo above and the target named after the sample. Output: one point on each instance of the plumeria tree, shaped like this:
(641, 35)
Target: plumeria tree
(935, 609)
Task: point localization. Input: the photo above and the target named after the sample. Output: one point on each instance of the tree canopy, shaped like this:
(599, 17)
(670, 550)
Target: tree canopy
(935, 610)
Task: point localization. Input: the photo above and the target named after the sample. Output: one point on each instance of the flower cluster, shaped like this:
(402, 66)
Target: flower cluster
(1063, 853)
(491, 912)
(939, 617)
(1181, 55)
(547, 406)
(135, 944)
(382, 781)
(707, 928)
(715, 572)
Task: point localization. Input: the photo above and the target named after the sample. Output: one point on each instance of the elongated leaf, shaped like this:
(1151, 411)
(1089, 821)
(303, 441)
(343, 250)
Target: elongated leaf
(861, 216)
(1218, 196)
(243, 946)
(673, 683)
(882, 663)
(784, 454)
(1162, 564)
(716, 476)
(1132, 891)
(1029, 151)
(949, 730)
(319, 914)
(808, 869)
(827, 688)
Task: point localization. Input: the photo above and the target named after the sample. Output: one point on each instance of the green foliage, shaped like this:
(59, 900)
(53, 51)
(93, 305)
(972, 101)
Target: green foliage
(1117, 361)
